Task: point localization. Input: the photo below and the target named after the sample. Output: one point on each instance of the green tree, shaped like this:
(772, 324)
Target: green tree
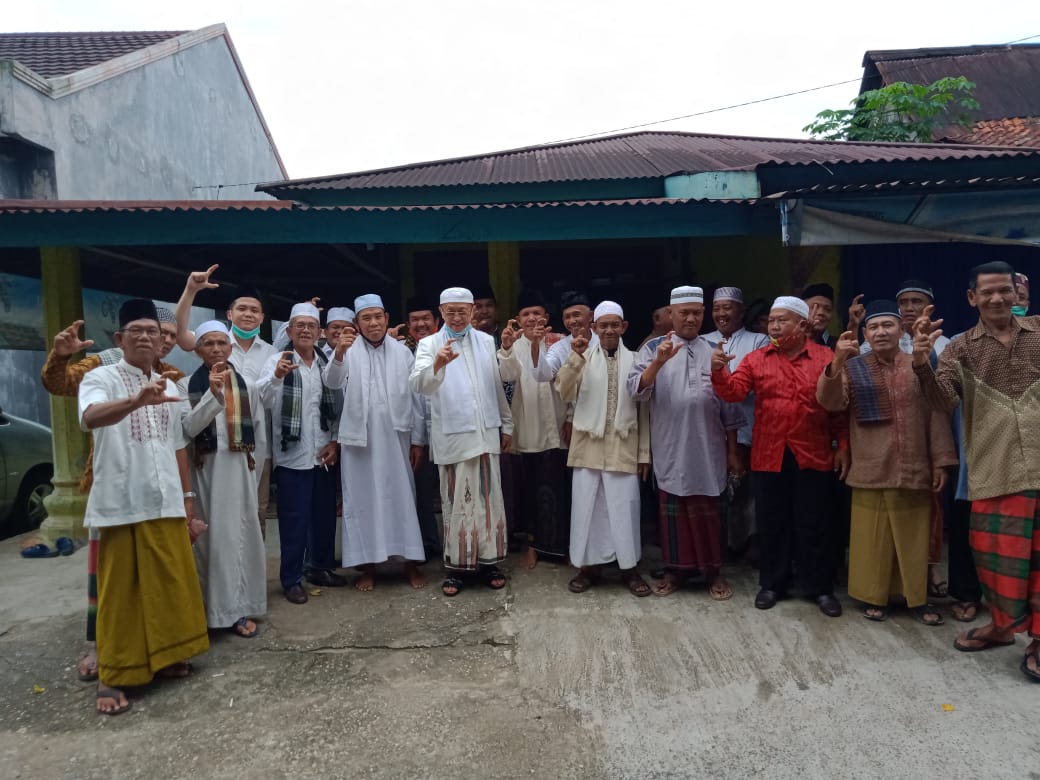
(900, 111)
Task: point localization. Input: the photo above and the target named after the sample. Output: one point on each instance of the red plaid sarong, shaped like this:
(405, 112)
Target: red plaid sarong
(690, 531)
(1005, 541)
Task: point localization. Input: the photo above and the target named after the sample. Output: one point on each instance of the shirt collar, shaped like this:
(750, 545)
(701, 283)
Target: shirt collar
(1017, 323)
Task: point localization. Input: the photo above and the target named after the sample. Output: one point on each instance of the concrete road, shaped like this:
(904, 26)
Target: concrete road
(530, 681)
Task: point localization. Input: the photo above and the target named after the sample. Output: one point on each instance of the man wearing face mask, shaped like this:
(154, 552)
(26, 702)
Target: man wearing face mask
(1021, 306)
(791, 454)
(381, 436)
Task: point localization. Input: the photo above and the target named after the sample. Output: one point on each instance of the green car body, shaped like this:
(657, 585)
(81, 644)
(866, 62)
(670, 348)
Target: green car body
(26, 468)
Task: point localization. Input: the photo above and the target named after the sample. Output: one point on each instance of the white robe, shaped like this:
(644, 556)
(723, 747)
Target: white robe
(379, 519)
(230, 556)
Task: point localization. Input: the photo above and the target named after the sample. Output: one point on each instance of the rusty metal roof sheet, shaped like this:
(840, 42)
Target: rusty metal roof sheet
(916, 185)
(60, 53)
(638, 155)
(1013, 131)
(1007, 78)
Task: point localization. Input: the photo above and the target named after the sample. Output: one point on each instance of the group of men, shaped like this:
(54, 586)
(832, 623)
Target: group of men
(533, 441)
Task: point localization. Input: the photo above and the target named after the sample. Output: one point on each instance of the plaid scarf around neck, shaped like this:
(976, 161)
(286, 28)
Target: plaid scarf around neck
(292, 402)
(869, 389)
(236, 410)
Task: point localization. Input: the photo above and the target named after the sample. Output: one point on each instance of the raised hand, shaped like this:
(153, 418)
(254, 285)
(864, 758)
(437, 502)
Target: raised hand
(346, 338)
(400, 332)
(857, 311)
(285, 365)
(667, 349)
(541, 331)
(218, 377)
(580, 343)
(444, 355)
(509, 335)
(199, 280)
(155, 392)
(846, 347)
(67, 342)
(926, 333)
(720, 358)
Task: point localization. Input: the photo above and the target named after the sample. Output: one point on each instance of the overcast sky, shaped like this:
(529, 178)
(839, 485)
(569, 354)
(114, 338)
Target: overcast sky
(359, 84)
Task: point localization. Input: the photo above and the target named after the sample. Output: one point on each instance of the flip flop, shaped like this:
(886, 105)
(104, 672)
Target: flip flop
(39, 551)
(91, 674)
(667, 586)
(1024, 666)
(939, 590)
(65, 545)
(881, 617)
(489, 574)
(580, 583)
(636, 585)
(454, 583)
(720, 591)
(964, 607)
(104, 692)
(244, 632)
(927, 609)
(988, 643)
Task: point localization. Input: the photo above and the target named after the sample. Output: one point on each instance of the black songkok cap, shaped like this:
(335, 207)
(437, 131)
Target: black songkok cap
(916, 285)
(420, 303)
(821, 288)
(880, 309)
(244, 292)
(483, 290)
(137, 309)
(573, 298)
(529, 297)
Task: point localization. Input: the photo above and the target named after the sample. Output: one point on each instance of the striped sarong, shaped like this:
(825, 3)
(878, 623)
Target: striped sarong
(1005, 541)
(473, 512)
(690, 531)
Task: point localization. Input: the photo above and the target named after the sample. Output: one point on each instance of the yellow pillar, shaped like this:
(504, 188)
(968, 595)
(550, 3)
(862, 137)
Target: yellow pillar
(504, 275)
(63, 304)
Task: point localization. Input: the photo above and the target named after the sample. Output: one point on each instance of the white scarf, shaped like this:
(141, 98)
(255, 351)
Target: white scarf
(353, 428)
(590, 409)
(456, 397)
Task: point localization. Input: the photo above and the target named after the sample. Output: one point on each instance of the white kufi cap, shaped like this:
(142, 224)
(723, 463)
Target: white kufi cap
(791, 303)
(687, 294)
(305, 310)
(368, 301)
(608, 307)
(339, 314)
(211, 326)
(456, 295)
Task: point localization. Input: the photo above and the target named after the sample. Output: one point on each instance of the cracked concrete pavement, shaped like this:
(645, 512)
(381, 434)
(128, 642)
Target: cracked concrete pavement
(530, 681)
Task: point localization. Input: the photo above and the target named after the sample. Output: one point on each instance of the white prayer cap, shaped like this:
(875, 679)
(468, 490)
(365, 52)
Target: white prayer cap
(211, 326)
(608, 307)
(456, 295)
(687, 294)
(368, 301)
(791, 303)
(305, 310)
(339, 314)
(729, 294)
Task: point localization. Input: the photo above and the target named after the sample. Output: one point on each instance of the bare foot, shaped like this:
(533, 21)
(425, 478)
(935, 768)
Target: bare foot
(667, 585)
(415, 577)
(366, 582)
(719, 589)
(86, 669)
(110, 701)
(529, 559)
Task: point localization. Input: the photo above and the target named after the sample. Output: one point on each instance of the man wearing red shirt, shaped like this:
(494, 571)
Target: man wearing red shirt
(792, 454)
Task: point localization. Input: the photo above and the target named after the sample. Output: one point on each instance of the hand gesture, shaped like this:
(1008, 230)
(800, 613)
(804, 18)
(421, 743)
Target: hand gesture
(155, 392)
(400, 332)
(67, 342)
(719, 358)
(315, 301)
(857, 311)
(199, 280)
(509, 335)
(196, 528)
(346, 338)
(541, 331)
(580, 343)
(328, 455)
(846, 347)
(667, 349)
(926, 332)
(444, 355)
(218, 377)
(285, 365)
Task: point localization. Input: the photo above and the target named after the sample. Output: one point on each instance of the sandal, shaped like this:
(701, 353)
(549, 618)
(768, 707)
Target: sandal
(720, 590)
(877, 614)
(241, 628)
(581, 582)
(965, 611)
(938, 590)
(39, 551)
(988, 642)
(1024, 666)
(489, 575)
(454, 584)
(87, 672)
(668, 585)
(104, 692)
(636, 584)
(928, 615)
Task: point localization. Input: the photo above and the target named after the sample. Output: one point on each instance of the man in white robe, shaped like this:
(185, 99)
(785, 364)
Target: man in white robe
(610, 446)
(470, 426)
(230, 557)
(381, 436)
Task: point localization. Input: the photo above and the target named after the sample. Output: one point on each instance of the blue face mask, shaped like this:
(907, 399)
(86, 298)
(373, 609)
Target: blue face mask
(461, 333)
(1019, 311)
(245, 334)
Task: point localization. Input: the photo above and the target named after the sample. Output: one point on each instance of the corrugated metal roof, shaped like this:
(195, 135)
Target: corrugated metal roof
(60, 53)
(71, 206)
(1007, 78)
(975, 183)
(1015, 131)
(640, 155)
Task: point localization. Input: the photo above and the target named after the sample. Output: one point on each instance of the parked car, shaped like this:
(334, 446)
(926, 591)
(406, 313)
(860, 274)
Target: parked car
(26, 468)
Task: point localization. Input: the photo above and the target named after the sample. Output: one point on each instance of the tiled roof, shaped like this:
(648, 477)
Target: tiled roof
(644, 155)
(1019, 131)
(59, 54)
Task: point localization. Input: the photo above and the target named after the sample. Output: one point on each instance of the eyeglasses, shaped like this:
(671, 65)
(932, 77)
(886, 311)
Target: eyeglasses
(135, 332)
(306, 326)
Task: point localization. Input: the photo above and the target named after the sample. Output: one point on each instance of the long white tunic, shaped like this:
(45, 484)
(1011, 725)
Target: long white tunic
(379, 520)
(230, 556)
(538, 412)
